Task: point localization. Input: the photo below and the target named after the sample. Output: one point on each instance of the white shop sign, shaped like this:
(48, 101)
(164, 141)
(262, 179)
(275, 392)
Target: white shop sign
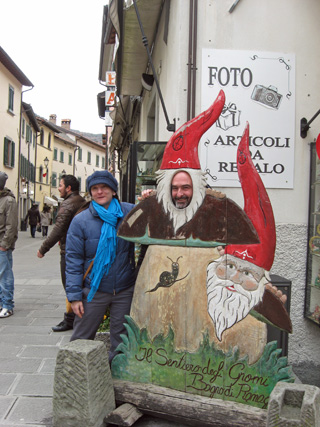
(108, 120)
(260, 89)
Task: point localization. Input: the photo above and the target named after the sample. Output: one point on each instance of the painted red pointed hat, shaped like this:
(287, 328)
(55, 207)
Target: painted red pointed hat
(182, 148)
(318, 146)
(258, 207)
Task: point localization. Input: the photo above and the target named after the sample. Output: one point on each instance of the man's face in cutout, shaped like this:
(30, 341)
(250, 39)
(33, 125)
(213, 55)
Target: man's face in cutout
(181, 190)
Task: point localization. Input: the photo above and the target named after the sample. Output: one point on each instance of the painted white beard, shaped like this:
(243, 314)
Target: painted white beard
(180, 216)
(226, 307)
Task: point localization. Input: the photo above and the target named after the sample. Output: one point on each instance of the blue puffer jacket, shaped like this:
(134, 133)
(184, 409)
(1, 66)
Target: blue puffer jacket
(82, 242)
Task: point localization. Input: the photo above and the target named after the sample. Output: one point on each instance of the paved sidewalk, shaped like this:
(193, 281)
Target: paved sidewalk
(28, 347)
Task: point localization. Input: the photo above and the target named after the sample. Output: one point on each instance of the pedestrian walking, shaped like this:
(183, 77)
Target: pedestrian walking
(93, 235)
(34, 219)
(8, 237)
(45, 220)
(69, 191)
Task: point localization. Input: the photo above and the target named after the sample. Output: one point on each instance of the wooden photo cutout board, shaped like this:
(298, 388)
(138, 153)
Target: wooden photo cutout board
(200, 307)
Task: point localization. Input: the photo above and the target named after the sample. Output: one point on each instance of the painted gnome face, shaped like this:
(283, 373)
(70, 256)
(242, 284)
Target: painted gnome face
(234, 287)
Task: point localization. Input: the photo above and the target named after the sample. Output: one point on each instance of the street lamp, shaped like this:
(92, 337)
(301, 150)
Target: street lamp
(46, 163)
(63, 172)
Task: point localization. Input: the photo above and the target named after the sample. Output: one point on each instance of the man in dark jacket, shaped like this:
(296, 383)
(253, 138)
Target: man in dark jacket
(69, 191)
(34, 219)
(8, 237)
(93, 235)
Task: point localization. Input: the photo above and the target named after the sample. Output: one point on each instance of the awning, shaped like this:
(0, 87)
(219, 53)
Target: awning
(131, 59)
(134, 54)
(49, 201)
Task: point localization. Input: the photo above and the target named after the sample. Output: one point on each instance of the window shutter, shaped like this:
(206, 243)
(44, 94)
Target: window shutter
(12, 153)
(5, 152)
(24, 167)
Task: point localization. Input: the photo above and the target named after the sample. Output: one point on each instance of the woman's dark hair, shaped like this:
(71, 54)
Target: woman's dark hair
(72, 181)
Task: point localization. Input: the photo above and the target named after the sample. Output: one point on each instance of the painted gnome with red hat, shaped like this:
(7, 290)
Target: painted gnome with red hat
(173, 288)
(236, 282)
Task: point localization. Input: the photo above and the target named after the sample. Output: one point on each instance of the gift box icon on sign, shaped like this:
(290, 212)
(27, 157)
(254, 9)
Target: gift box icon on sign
(229, 117)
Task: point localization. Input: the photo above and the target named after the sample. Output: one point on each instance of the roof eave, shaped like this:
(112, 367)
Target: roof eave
(31, 115)
(14, 69)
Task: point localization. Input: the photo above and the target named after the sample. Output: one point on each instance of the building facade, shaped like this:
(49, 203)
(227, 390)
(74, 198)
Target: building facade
(12, 83)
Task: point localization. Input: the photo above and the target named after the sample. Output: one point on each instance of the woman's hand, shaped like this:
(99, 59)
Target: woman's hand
(145, 194)
(77, 308)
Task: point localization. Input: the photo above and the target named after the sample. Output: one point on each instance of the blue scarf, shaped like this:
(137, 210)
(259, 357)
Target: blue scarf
(107, 245)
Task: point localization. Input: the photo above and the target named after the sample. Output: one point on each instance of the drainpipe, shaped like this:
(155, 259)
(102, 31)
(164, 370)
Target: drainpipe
(192, 59)
(189, 64)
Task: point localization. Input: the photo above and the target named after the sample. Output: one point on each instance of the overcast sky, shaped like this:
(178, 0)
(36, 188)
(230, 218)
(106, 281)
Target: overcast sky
(57, 46)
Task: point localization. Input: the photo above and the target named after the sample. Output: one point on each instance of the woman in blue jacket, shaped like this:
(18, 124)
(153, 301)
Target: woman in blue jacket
(93, 235)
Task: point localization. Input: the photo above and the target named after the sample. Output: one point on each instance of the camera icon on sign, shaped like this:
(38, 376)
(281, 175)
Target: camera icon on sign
(267, 96)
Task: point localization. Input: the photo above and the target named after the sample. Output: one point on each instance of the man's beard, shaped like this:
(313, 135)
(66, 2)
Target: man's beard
(183, 215)
(226, 307)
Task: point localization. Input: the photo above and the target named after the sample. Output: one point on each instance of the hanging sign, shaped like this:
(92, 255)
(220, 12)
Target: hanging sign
(260, 89)
(110, 78)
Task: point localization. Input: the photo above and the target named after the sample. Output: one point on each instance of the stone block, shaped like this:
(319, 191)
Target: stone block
(293, 405)
(83, 392)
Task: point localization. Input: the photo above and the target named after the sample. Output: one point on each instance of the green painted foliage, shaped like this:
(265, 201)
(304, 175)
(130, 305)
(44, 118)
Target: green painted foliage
(207, 372)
